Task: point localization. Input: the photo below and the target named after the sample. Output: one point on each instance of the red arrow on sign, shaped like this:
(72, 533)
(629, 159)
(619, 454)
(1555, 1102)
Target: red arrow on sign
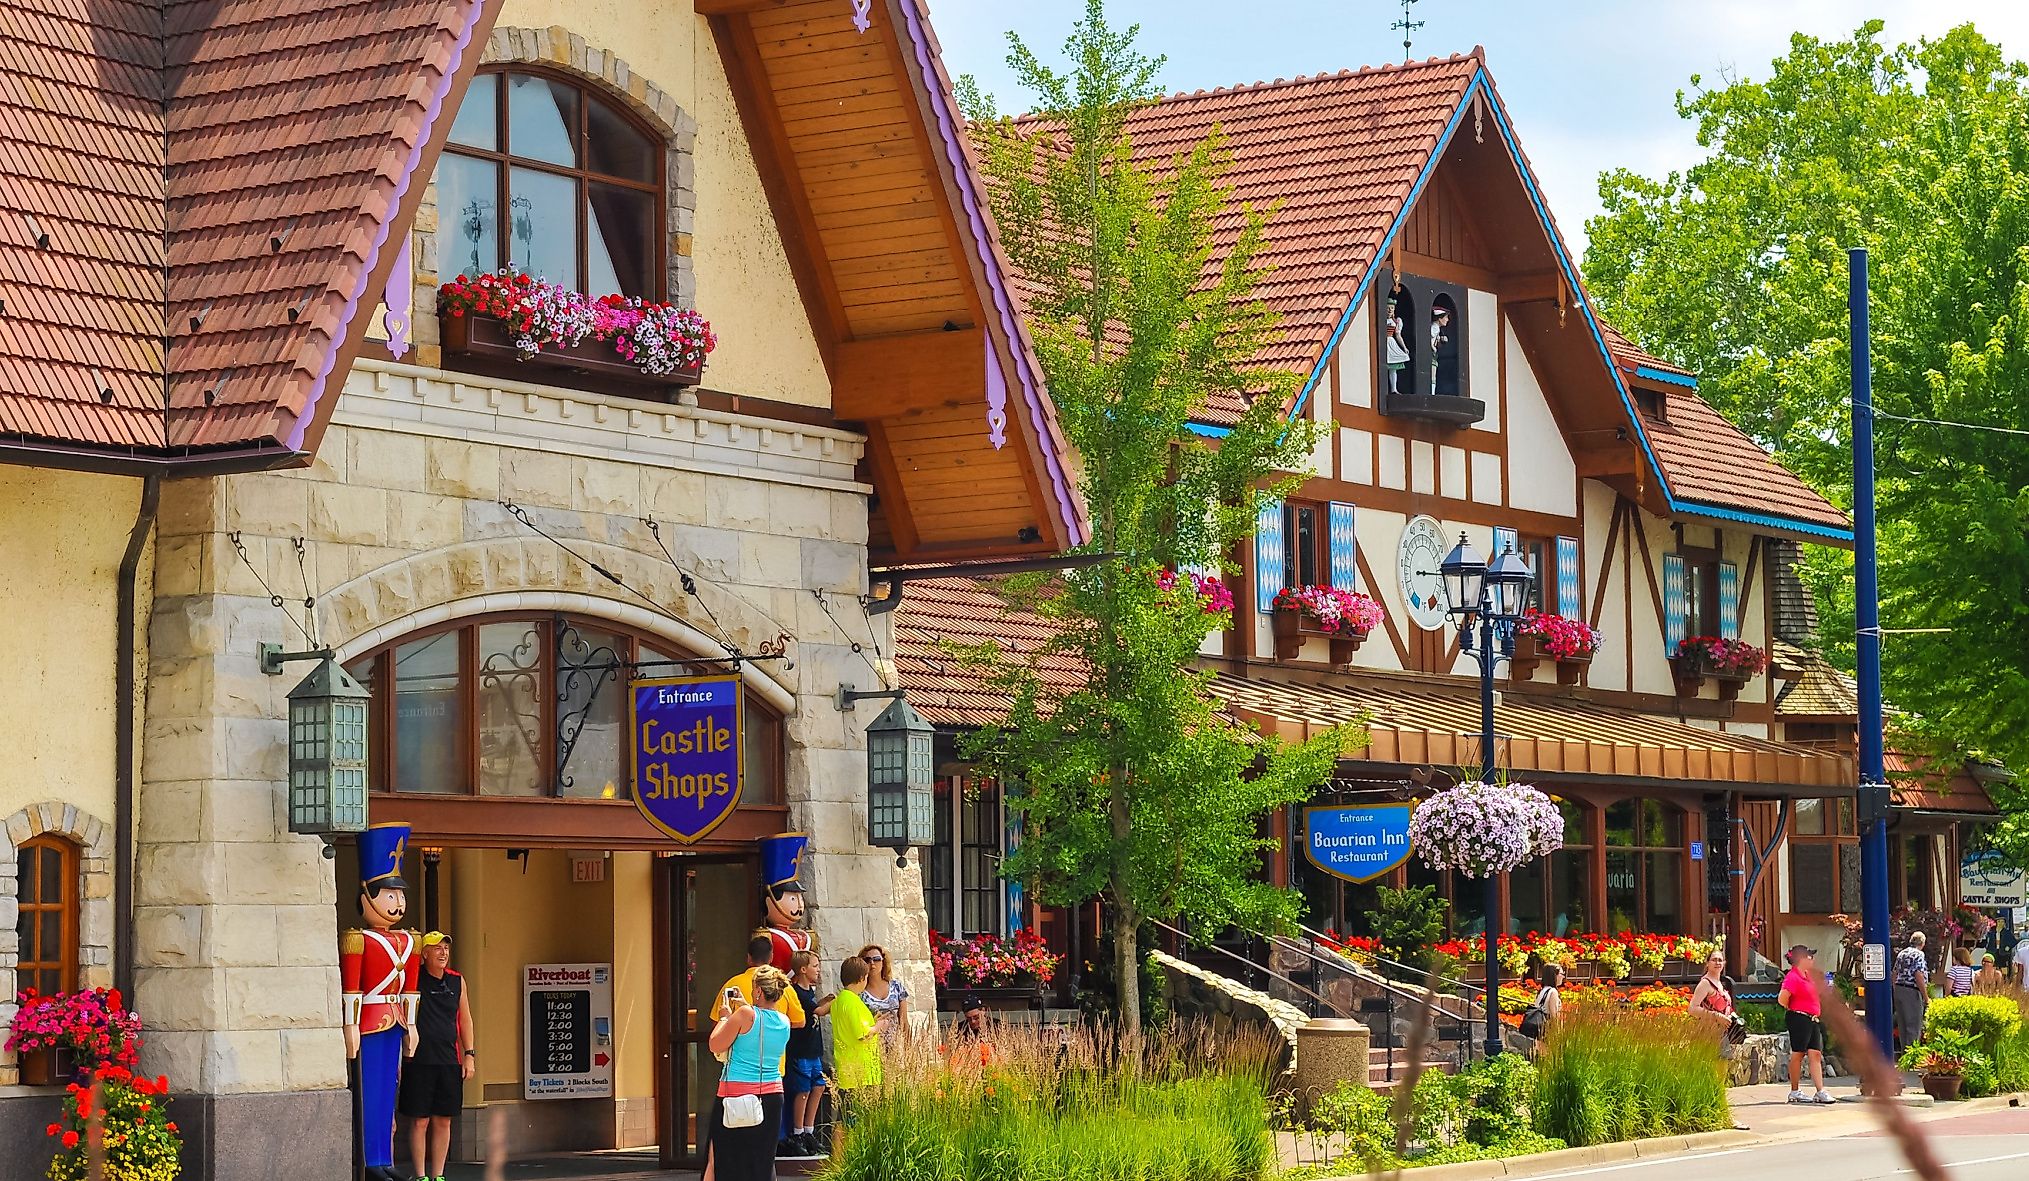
(600, 1060)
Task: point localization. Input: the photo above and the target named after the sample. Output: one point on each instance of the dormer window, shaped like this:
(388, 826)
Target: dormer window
(1652, 403)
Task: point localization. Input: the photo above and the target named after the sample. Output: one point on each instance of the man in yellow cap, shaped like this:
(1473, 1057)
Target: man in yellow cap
(433, 1084)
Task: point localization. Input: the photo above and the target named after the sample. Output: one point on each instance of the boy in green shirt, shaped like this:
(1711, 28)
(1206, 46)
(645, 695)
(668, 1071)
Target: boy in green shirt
(855, 1044)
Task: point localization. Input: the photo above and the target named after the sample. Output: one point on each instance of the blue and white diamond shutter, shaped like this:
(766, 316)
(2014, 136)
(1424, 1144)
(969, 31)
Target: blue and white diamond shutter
(1673, 603)
(1568, 581)
(1504, 540)
(1267, 555)
(1729, 601)
(1345, 547)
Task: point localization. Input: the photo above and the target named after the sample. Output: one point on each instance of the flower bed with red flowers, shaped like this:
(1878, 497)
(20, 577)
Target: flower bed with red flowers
(1561, 637)
(1331, 608)
(988, 961)
(1614, 956)
(540, 316)
(128, 1113)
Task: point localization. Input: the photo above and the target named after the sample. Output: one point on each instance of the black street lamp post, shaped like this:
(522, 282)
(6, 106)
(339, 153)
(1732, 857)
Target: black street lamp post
(1488, 600)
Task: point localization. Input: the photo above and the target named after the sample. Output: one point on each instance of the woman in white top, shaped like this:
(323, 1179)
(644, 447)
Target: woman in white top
(885, 995)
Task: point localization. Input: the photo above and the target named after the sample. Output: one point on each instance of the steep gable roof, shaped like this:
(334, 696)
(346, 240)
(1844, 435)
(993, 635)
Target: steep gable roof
(200, 193)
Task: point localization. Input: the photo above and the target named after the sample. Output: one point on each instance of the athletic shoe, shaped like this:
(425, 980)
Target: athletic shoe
(1798, 1097)
(1823, 1097)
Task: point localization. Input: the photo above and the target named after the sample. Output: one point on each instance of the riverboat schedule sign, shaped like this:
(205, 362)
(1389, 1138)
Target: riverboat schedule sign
(569, 1032)
(686, 735)
(1987, 881)
(1358, 844)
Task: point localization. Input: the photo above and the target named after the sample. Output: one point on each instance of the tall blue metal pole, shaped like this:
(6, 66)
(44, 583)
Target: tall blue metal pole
(1873, 801)
(1492, 926)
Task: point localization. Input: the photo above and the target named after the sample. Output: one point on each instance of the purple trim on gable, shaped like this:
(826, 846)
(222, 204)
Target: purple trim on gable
(1003, 303)
(476, 9)
(400, 299)
(996, 397)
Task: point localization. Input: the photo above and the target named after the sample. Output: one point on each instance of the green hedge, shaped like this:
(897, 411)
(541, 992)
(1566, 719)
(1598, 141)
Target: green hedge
(1608, 1075)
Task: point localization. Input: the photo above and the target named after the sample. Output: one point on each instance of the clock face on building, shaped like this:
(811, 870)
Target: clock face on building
(1421, 552)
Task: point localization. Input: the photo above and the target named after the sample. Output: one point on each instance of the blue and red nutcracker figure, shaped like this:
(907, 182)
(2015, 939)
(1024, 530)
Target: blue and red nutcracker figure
(377, 971)
(780, 858)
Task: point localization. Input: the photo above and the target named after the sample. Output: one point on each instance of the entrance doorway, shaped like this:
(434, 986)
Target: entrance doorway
(707, 907)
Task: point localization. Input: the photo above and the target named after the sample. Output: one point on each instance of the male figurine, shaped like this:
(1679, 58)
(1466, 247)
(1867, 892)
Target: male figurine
(1440, 319)
(780, 857)
(377, 972)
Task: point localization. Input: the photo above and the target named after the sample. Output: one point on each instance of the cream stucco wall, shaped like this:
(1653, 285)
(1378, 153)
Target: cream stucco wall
(766, 348)
(62, 535)
(1546, 481)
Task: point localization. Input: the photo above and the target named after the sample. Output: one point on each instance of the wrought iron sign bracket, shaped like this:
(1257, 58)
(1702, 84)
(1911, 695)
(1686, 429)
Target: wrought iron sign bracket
(273, 658)
(848, 697)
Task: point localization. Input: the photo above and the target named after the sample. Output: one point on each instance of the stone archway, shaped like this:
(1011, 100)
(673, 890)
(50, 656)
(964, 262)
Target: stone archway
(94, 840)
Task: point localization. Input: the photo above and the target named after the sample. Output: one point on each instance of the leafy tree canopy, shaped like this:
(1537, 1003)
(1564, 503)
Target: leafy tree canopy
(1737, 270)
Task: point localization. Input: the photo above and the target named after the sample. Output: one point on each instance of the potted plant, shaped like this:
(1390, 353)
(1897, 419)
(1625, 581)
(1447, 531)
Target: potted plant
(1730, 664)
(1341, 616)
(506, 318)
(65, 1035)
(1568, 642)
(1943, 1070)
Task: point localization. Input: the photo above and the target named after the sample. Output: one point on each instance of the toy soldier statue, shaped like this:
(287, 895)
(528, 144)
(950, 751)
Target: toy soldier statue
(1395, 350)
(377, 970)
(780, 857)
(1440, 319)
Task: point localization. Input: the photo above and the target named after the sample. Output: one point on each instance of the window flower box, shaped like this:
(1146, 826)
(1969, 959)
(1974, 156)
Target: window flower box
(51, 1066)
(1570, 643)
(1342, 617)
(505, 319)
(1729, 664)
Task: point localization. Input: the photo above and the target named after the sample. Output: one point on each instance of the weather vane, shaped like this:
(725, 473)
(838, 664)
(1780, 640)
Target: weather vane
(1407, 26)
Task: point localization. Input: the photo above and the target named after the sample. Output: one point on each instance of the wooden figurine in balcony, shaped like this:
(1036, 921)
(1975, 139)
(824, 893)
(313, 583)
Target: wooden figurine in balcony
(1396, 349)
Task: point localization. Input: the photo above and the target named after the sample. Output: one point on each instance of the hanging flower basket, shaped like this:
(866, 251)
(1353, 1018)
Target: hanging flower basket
(1568, 642)
(1483, 829)
(1341, 617)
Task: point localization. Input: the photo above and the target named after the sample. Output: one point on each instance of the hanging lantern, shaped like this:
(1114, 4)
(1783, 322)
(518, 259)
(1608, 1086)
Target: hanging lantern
(901, 781)
(327, 752)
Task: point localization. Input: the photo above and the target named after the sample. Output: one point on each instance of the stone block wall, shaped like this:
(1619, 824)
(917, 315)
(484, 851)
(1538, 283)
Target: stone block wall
(400, 524)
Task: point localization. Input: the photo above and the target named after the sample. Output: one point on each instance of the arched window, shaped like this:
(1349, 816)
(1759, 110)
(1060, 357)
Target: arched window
(546, 175)
(47, 927)
(1645, 867)
(532, 706)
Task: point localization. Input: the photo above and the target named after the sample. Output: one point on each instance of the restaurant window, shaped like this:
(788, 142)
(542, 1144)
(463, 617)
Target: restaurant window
(1916, 884)
(1824, 857)
(545, 175)
(1645, 867)
(1701, 592)
(527, 707)
(1541, 555)
(962, 888)
(1548, 894)
(1466, 897)
(1305, 560)
(45, 923)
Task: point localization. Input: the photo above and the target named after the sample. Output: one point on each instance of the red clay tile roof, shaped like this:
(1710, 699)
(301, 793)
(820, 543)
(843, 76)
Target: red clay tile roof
(1914, 782)
(1708, 460)
(968, 611)
(237, 163)
(1338, 153)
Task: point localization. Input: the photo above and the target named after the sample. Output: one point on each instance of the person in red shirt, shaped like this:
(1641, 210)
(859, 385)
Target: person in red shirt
(1799, 996)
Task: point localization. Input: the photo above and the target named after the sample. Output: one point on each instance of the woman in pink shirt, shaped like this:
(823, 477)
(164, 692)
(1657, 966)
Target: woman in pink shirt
(1799, 996)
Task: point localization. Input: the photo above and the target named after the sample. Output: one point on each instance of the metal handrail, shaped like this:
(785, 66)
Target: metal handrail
(1437, 984)
(1251, 965)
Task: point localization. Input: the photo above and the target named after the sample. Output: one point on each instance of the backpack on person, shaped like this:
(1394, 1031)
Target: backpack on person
(1536, 1017)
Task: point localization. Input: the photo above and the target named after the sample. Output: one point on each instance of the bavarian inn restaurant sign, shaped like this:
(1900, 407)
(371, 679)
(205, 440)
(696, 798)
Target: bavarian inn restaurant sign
(686, 734)
(1358, 844)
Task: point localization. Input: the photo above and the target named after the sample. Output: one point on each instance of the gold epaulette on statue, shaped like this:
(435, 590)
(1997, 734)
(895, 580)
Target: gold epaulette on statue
(351, 942)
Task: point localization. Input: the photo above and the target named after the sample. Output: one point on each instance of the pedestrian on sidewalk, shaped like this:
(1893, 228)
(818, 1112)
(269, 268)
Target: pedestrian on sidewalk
(1959, 977)
(885, 995)
(805, 1078)
(1799, 996)
(1548, 1005)
(1912, 992)
(855, 1047)
(433, 1082)
(1710, 998)
(747, 1117)
(1989, 981)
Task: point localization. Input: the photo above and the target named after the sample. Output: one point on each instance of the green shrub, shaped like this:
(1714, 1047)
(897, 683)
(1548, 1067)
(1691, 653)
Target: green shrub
(1408, 923)
(1976, 1067)
(1358, 1120)
(1987, 1020)
(1762, 1016)
(1499, 1096)
(1606, 1074)
(2011, 1065)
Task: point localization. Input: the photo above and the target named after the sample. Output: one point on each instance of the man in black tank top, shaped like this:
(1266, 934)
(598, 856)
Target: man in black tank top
(433, 1081)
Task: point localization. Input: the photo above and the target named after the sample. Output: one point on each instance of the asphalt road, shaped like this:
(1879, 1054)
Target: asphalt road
(1987, 1146)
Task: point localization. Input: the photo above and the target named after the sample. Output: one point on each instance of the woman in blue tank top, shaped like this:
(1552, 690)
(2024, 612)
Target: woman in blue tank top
(753, 1037)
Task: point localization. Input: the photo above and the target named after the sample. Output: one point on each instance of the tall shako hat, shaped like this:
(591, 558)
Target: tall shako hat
(781, 856)
(380, 857)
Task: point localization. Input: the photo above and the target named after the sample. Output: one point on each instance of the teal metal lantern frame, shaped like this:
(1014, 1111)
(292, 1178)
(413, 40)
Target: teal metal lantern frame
(328, 751)
(901, 781)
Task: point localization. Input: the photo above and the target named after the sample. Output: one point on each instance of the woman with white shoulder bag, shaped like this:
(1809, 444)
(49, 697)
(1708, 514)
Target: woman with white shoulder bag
(747, 1119)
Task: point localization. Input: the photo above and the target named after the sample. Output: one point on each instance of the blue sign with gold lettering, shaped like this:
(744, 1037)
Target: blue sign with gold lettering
(686, 735)
(1358, 843)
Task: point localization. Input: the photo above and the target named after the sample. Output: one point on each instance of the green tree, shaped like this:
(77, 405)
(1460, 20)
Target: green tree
(1135, 788)
(1737, 269)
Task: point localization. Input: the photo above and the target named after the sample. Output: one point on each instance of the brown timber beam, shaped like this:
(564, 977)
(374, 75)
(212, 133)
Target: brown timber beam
(884, 376)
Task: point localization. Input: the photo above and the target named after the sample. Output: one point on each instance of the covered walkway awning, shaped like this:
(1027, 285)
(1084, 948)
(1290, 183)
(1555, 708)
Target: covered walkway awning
(1551, 740)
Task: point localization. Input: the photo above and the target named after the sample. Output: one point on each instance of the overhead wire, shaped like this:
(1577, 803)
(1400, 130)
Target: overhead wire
(873, 637)
(240, 548)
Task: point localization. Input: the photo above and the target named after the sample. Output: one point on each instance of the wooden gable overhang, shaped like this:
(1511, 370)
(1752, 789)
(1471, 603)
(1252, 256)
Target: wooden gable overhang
(860, 144)
(1514, 249)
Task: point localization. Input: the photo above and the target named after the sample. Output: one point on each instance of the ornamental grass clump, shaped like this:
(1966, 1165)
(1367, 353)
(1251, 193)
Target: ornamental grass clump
(1035, 1106)
(1482, 829)
(1611, 1073)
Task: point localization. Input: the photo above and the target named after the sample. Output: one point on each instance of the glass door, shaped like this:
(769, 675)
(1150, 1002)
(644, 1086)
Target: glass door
(712, 906)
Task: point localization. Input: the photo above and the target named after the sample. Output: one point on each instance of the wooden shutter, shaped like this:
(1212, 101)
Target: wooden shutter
(1673, 603)
(1505, 539)
(1729, 601)
(1569, 579)
(1345, 547)
(1268, 555)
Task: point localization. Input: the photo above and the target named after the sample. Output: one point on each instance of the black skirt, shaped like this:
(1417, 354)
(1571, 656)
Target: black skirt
(746, 1154)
